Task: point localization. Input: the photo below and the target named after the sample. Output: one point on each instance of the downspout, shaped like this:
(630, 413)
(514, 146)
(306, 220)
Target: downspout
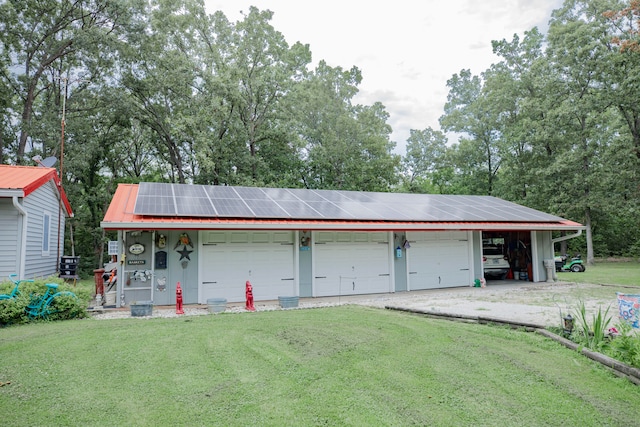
(23, 231)
(563, 238)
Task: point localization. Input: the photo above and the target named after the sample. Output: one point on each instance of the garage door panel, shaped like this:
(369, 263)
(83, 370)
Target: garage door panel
(438, 260)
(349, 269)
(266, 284)
(228, 267)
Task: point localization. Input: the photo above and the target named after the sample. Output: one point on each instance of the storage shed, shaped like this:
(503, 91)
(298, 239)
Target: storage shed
(33, 210)
(312, 243)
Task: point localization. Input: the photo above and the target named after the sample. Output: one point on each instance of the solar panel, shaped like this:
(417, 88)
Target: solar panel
(220, 191)
(251, 193)
(233, 208)
(266, 208)
(299, 209)
(307, 195)
(330, 210)
(194, 206)
(154, 205)
(280, 194)
(250, 202)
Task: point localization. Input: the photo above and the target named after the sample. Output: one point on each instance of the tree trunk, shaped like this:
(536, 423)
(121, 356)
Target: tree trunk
(590, 256)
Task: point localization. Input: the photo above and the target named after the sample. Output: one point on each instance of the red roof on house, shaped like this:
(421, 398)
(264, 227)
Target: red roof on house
(121, 216)
(24, 180)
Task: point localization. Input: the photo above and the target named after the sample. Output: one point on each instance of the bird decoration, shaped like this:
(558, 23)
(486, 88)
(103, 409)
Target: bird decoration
(185, 240)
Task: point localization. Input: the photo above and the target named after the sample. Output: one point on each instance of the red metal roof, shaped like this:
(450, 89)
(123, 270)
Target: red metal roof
(120, 216)
(27, 179)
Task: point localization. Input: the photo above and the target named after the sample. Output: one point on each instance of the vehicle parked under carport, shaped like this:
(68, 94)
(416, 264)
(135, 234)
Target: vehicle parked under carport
(495, 263)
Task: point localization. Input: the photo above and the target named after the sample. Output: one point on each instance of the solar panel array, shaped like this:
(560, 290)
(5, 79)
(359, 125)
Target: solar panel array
(213, 201)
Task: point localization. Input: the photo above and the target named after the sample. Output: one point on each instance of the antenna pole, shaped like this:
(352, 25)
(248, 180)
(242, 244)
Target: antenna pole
(64, 108)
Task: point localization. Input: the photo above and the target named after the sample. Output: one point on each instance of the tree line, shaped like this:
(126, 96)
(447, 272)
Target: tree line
(160, 90)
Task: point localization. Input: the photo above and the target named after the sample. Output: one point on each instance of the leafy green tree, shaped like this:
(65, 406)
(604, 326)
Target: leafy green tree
(579, 54)
(468, 112)
(159, 74)
(346, 146)
(43, 39)
(424, 161)
(248, 72)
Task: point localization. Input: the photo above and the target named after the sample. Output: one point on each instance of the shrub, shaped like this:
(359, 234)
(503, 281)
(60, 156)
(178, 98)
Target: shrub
(625, 347)
(14, 311)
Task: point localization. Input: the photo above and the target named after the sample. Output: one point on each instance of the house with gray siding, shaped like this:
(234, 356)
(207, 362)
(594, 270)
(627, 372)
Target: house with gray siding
(33, 212)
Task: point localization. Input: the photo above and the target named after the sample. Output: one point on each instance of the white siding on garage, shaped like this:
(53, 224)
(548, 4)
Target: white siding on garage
(230, 258)
(439, 259)
(349, 263)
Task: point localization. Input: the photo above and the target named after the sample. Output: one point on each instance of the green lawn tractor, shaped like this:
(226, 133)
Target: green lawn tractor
(575, 264)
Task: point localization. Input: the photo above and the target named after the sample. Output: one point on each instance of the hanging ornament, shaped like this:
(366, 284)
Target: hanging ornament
(185, 240)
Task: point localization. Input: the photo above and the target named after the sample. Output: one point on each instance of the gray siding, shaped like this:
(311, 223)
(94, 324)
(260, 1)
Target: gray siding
(10, 221)
(43, 202)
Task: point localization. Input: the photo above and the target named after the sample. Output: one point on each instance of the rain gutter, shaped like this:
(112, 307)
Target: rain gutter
(563, 238)
(23, 232)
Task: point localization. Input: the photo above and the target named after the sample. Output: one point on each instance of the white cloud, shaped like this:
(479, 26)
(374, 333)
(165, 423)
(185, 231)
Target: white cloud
(406, 50)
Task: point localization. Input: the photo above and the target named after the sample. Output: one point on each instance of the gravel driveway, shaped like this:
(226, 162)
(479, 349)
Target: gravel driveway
(509, 301)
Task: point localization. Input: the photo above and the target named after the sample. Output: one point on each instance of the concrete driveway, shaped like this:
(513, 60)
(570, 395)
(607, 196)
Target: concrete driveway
(512, 301)
(541, 304)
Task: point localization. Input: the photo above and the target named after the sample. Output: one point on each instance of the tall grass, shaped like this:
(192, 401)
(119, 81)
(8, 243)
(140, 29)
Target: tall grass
(592, 333)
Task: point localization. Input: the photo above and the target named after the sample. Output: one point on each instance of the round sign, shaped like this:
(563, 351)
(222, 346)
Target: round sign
(136, 248)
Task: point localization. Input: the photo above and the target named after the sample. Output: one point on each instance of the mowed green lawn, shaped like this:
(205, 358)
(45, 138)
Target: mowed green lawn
(345, 365)
(625, 273)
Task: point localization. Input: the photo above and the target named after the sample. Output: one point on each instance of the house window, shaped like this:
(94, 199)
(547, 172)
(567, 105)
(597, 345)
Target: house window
(46, 233)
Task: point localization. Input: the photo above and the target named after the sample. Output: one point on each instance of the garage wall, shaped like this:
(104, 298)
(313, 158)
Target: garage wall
(542, 249)
(182, 261)
(135, 278)
(476, 259)
(400, 264)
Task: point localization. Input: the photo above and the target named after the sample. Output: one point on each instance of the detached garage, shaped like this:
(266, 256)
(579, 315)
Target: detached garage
(311, 243)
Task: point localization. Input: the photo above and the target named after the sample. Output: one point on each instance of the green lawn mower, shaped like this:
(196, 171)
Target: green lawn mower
(575, 264)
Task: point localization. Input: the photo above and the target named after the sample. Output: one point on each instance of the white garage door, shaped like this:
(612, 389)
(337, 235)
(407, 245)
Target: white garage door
(229, 259)
(438, 259)
(348, 263)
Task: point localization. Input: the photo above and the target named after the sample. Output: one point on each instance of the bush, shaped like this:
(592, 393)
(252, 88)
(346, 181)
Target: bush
(625, 347)
(14, 311)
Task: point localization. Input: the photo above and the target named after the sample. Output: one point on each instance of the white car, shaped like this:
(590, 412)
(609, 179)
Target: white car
(494, 262)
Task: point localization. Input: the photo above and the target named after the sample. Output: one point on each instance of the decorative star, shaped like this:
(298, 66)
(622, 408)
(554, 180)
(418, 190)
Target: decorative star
(184, 253)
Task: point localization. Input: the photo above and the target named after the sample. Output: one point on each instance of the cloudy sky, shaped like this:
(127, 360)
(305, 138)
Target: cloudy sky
(406, 49)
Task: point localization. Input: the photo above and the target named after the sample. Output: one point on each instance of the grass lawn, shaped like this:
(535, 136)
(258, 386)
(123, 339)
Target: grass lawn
(626, 273)
(347, 365)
